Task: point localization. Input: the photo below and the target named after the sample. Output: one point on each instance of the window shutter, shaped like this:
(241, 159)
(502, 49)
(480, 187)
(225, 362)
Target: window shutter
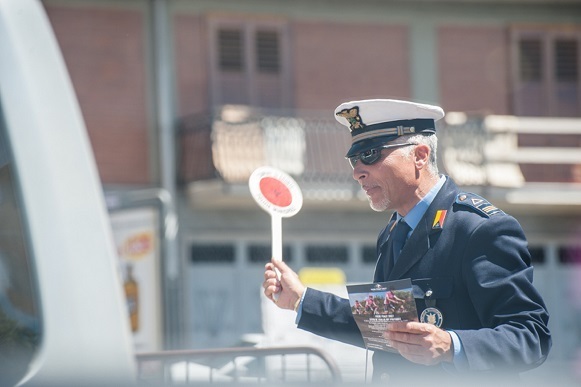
(231, 50)
(566, 93)
(530, 87)
(267, 52)
(531, 60)
(230, 82)
(566, 60)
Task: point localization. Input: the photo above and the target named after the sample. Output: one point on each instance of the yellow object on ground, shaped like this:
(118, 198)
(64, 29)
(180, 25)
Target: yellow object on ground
(317, 275)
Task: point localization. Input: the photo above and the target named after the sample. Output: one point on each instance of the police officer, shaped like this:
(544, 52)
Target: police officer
(480, 317)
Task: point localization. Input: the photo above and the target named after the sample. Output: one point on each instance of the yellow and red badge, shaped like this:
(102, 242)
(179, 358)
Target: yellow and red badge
(439, 219)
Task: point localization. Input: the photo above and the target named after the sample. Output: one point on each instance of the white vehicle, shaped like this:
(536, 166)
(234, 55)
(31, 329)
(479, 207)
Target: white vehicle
(63, 319)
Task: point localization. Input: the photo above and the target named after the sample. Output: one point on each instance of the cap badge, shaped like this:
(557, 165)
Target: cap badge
(353, 117)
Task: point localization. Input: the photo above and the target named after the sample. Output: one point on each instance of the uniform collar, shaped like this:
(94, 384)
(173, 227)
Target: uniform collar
(415, 215)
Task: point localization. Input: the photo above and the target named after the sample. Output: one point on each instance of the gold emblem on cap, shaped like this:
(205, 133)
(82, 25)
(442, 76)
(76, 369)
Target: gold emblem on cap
(353, 117)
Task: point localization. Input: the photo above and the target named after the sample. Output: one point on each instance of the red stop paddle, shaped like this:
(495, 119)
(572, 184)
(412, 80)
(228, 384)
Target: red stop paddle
(279, 195)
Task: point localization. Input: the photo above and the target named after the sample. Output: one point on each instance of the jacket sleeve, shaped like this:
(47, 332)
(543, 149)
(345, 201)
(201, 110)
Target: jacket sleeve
(497, 273)
(329, 316)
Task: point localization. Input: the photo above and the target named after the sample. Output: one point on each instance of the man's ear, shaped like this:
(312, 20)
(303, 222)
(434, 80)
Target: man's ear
(421, 155)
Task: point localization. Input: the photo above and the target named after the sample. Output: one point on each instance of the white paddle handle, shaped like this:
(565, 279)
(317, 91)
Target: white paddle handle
(276, 237)
(276, 224)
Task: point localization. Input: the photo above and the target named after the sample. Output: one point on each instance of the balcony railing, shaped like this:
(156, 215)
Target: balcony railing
(488, 151)
(509, 151)
(233, 142)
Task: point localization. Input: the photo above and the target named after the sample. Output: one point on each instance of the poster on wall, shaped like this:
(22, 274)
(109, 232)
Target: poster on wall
(136, 235)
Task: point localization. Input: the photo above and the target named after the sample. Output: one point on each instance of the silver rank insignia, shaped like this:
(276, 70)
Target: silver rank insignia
(432, 316)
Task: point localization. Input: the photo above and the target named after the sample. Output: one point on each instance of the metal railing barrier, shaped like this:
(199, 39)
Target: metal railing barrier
(278, 365)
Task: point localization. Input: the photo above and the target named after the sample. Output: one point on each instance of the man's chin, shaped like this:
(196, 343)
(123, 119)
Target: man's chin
(378, 207)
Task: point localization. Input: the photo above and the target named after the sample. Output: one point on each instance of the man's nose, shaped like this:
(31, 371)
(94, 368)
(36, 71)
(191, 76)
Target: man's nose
(359, 171)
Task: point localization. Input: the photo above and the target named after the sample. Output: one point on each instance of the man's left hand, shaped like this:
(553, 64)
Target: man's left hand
(420, 342)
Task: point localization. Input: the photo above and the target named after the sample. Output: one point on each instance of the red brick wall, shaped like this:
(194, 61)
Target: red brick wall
(335, 62)
(474, 69)
(192, 64)
(104, 50)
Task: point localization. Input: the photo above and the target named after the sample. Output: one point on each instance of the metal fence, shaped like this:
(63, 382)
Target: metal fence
(283, 365)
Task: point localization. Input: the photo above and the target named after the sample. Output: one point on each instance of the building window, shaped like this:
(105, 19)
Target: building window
(262, 254)
(230, 50)
(212, 254)
(567, 60)
(530, 64)
(327, 254)
(570, 255)
(547, 66)
(268, 52)
(232, 57)
(248, 63)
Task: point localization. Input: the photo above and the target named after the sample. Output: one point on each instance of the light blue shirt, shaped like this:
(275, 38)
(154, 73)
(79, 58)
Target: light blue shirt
(413, 219)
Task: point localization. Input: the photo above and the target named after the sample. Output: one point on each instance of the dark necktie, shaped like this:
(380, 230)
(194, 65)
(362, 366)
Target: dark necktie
(399, 236)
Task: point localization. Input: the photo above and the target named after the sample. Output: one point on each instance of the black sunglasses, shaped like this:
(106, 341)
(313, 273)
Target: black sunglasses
(372, 155)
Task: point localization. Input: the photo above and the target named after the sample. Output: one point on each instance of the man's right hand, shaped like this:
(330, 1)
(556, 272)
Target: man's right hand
(287, 286)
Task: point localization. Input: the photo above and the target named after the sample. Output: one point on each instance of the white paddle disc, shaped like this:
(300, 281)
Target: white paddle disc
(275, 191)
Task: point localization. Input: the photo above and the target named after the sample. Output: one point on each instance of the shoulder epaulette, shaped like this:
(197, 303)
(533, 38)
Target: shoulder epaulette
(478, 203)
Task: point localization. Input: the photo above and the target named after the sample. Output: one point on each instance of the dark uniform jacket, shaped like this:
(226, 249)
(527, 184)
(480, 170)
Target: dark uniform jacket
(478, 269)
